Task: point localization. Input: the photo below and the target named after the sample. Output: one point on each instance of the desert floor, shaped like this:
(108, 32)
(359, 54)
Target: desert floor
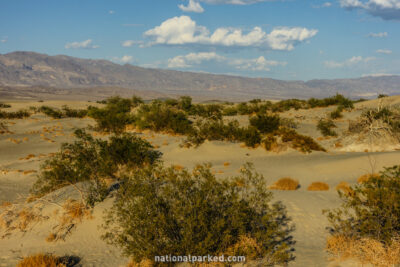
(34, 139)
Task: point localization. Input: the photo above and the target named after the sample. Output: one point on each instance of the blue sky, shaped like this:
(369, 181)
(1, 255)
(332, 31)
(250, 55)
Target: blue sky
(287, 39)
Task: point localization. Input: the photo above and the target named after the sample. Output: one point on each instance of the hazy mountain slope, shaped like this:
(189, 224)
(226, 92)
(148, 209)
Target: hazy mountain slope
(33, 69)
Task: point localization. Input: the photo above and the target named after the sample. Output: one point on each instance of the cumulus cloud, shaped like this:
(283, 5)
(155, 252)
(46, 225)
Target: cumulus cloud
(4, 40)
(235, 2)
(324, 5)
(129, 43)
(188, 60)
(257, 64)
(111, 12)
(386, 9)
(349, 62)
(184, 31)
(124, 59)
(192, 6)
(192, 59)
(384, 51)
(377, 34)
(84, 45)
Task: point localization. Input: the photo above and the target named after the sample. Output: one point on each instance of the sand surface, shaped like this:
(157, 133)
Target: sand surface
(34, 139)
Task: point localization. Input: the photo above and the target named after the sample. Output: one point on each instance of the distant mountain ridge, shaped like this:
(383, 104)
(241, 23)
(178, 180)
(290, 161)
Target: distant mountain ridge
(24, 69)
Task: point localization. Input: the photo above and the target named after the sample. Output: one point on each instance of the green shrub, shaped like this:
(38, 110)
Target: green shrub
(230, 111)
(160, 117)
(285, 105)
(3, 105)
(372, 210)
(20, 114)
(325, 127)
(211, 111)
(73, 113)
(51, 112)
(336, 114)
(185, 103)
(250, 136)
(382, 96)
(164, 211)
(93, 160)
(300, 142)
(136, 101)
(265, 123)
(338, 99)
(114, 116)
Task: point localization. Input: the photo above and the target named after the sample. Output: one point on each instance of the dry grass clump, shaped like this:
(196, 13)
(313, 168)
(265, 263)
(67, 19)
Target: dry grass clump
(74, 211)
(365, 250)
(26, 217)
(41, 260)
(143, 263)
(246, 246)
(51, 237)
(345, 188)
(318, 186)
(226, 164)
(178, 167)
(285, 183)
(363, 178)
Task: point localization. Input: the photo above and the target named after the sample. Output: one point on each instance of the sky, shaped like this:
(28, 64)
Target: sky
(280, 39)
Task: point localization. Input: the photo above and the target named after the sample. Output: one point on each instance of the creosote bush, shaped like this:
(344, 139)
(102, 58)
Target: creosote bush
(371, 211)
(20, 114)
(162, 211)
(3, 105)
(265, 123)
(318, 186)
(114, 116)
(325, 127)
(48, 260)
(285, 183)
(93, 160)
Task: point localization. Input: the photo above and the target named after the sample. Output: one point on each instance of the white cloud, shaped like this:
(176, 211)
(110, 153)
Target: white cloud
(84, 44)
(193, 6)
(386, 9)
(184, 31)
(384, 51)
(124, 59)
(186, 61)
(256, 64)
(324, 5)
(377, 34)
(4, 40)
(129, 43)
(235, 2)
(349, 62)
(111, 12)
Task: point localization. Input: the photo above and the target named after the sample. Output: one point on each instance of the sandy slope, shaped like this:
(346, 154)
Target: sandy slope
(84, 241)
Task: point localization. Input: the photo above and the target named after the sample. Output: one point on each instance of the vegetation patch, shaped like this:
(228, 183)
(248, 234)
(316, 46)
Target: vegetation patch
(369, 217)
(318, 186)
(161, 211)
(285, 183)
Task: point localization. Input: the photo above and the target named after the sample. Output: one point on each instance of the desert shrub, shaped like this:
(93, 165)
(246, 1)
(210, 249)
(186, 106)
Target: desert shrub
(285, 183)
(136, 101)
(93, 160)
(325, 127)
(20, 114)
(3, 128)
(288, 123)
(371, 211)
(338, 99)
(336, 114)
(185, 103)
(162, 211)
(114, 116)
(318, 186)
(230, 111)
(298, 141)
(160, 117)
(3, 105)
(382, 96)
(211, 111)
(270, 142)
(265, 123)
(285, 105)
(250, 136)
(73, 113)
(51, 112)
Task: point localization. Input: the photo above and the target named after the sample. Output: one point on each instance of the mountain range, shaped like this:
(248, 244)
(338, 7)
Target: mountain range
(33, 75)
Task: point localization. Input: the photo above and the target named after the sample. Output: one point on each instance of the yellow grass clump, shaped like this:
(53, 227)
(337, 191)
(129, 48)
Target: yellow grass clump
(318, 186)
(143, 263)
(40, 260)
(363, 178)
(25, 217)
(285, 183)
(345, 188)
(74, 211)
(226, 164)
(52, 237)
(245, 246)
(364, 250)
(178, 167)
